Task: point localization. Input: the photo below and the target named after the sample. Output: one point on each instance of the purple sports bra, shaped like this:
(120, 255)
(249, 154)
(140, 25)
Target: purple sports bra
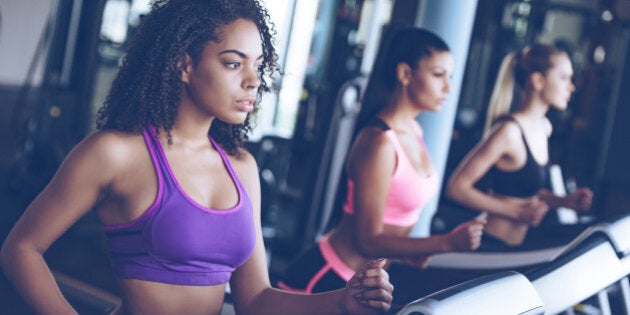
(177, 240)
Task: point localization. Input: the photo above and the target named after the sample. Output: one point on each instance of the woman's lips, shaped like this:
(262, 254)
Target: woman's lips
(246, 106)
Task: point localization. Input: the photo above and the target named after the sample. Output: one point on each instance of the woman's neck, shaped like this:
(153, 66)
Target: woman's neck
(399, 112)
(190, 128)
(533, 106)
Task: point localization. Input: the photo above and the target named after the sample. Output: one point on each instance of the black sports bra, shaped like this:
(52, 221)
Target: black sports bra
(525, 182)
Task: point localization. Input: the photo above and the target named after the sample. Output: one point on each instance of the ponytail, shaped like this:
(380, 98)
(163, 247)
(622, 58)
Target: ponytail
(516, 69)
(502, 93)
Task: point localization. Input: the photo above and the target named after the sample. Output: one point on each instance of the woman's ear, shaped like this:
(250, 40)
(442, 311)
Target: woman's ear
(403, 73)
(537, 80)
(186, 67)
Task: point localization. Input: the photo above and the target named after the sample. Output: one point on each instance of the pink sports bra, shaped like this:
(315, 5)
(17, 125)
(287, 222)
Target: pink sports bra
(408, 192)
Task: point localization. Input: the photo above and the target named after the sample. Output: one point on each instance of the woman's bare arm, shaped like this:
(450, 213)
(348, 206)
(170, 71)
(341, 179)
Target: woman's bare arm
(371, 163)
(253, 294)
(487, 153)
(71, 193)
(580, 200)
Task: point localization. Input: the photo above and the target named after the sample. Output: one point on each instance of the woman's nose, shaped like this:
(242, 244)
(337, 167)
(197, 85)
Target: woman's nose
(252, 79)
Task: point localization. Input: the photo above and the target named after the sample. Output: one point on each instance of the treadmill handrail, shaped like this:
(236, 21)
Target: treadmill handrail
(501, 293)
(583, 272)
(616, 231)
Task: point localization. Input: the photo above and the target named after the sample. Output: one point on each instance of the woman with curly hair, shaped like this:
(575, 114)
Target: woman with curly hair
(178, 197)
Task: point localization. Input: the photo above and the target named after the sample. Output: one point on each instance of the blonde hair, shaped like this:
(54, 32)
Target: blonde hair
(502, 92)
(516, 68)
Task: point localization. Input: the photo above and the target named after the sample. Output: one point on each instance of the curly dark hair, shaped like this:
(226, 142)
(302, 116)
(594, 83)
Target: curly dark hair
(147, 87)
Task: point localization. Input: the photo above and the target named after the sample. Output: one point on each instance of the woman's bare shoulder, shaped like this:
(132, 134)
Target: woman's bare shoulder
(111, 147)
(372, 141)
(243, 159)
(244, 164)
(372, 149)
(505, 133)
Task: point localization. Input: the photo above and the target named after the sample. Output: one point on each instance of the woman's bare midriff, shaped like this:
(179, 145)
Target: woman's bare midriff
(145, 297)
(510, 231)
(343, 242)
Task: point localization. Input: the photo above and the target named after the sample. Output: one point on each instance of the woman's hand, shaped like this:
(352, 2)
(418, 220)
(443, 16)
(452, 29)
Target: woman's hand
(466, 236)
(532, 211)
(421, 262)
(580, 200)
(369, 290)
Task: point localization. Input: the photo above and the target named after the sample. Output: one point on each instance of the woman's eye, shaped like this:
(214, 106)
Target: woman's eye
(233, 65)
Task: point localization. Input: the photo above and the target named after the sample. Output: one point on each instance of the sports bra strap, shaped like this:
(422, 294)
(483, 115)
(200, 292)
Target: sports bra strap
(378, 123)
